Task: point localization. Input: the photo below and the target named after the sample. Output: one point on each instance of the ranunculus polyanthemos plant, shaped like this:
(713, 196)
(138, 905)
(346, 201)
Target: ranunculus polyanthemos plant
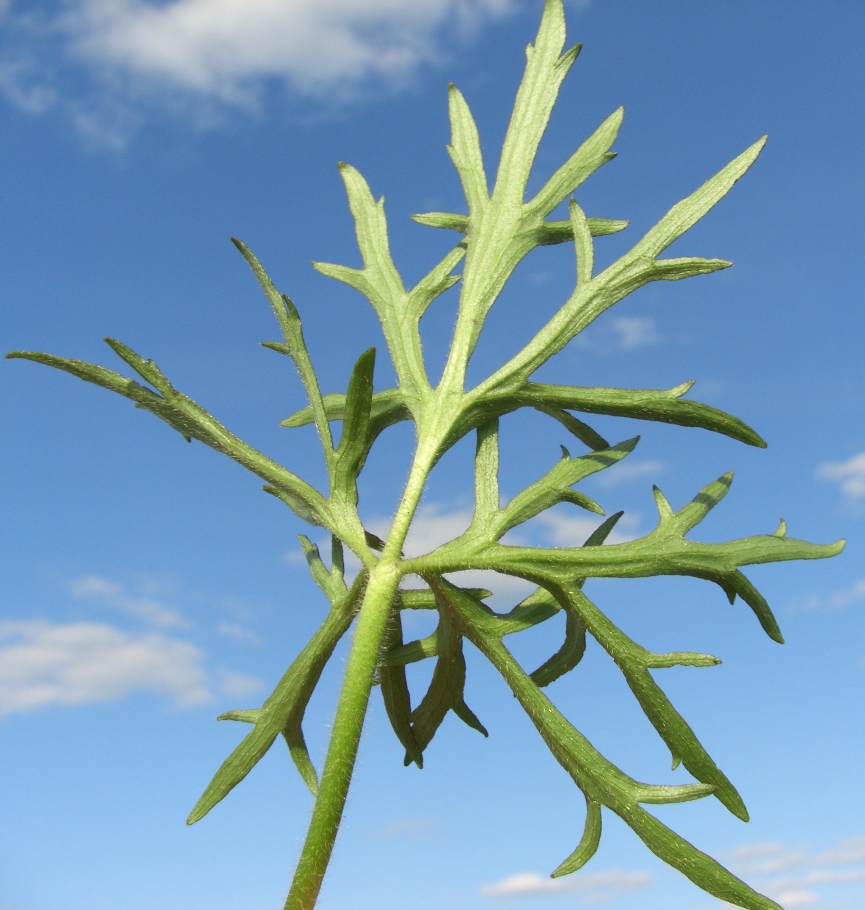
(501, 228)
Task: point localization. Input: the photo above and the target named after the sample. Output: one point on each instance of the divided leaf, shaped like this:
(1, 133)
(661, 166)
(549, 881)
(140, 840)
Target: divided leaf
(445, 691)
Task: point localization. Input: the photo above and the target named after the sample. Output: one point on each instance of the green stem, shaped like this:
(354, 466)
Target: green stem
(353, 700)
(345, 738)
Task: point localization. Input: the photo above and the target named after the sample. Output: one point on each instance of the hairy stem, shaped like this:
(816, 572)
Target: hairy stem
(353, 700)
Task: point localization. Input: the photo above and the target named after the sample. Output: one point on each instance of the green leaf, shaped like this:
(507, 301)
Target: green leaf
(634, 662)
(737, 583)
(583, 244)
(601, 782)
(371, 230)
(330, 582)
(591, 155)
(567, 657)
(689, 211)
(249, 716)
(589, 842)
(438, 280)
(193, 422)
(487, 472)
(537, 94)
(692, 514)
(465, 151)
(354, 441)
(284, 708)
(547, 233)
(394, 690)
(445, 691)
(414, 651)
(581, 430)
(553, 488)
(642, 404)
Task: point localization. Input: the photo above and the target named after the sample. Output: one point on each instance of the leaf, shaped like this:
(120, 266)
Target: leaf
(414, 651)
(354, 441)
(387, 408)
(537, 94)
(692, 514)
(600, 781)
(465, 151)
(689, 211)
(581, 430)
(591, 155)
(567, 657)
(634, 662)
(438, 280)
(284, 708)
(394, 690)
(371, 230)
(193, 422)
(643, 404)
(553, 488)
(583, 244)
(445, 691)
(589, 842)
(547, 233)
(737, 583)
(487, 472)
(329, 582)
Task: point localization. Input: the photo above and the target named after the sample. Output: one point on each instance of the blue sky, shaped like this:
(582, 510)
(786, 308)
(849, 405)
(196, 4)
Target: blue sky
(148, 585)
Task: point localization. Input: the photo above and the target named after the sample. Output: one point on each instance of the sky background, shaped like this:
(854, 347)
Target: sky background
(149, 586)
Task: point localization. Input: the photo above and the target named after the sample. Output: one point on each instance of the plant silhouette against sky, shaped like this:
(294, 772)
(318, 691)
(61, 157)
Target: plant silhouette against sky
(500, 229)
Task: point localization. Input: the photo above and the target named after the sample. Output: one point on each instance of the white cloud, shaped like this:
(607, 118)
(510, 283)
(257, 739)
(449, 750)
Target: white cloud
(572, 530)
(767, 858)
(410, 828)
(238, 633)
(851, 850)
(44, 664)
(435, 524)
(850, 475)
(209, 55)
(236, 684)
(111, 594)
(837, 600)
(799, 898)
(805, 870)
(635, 332)
(594, 886)
(628, 470)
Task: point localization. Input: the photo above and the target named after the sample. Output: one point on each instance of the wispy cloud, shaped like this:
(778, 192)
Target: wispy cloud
(237, 685)
(793, 874)
(207, 56)
(565, 529)
(44, 664)
(635, 332)
(113, 595)
(849, 475)
(594, 887)
(410, 828)
(837, 600)
(628, 470)
(238, 633)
